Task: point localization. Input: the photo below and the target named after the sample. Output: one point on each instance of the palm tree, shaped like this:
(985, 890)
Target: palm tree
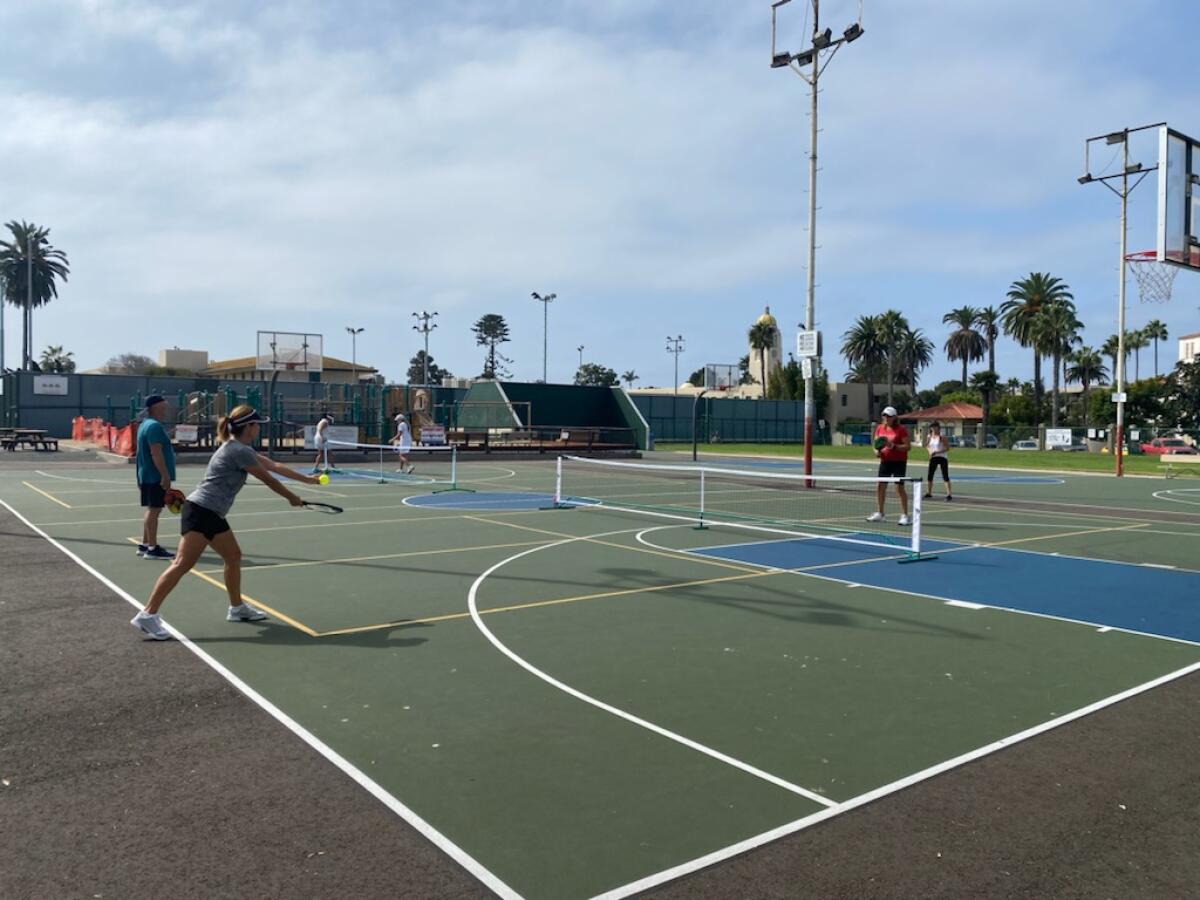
(629, 377)
(916, 353)
(1112, 347)
(891, 328)
(1156, 331)
(29, 252)
(965, 342)
(864, 352)
(986, 382)
(54, 360)
(1013, 386)
(1086, 368)
(1026, 297)
(1056, 332)
(1134, 341)
(762, 339)
(988, 320)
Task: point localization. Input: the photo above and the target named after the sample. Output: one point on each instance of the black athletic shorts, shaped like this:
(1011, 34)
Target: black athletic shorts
(205, 521)
(153, 495)
(892, 468)
(939, 462)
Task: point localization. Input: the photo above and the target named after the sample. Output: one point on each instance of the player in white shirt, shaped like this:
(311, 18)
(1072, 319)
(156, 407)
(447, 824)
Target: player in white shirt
(938, 447)
(323, 462)
(403, 442)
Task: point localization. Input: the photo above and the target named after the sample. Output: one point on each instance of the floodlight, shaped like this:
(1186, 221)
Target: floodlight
(1085, 178)
(804, 58)
(853, 33)
(1133, 167)
(823, 40)
(779, 60)
(1115, 138)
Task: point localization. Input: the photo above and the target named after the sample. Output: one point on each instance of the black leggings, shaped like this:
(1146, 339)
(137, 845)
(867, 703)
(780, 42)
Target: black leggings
(938, 462)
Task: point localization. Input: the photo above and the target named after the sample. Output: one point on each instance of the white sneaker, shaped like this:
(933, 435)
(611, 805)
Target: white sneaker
(244, 612)
(905, 520)
(151, 625)
(875, 517)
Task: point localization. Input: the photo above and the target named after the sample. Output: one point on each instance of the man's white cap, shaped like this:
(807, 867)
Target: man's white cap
(889, 410)
(399, 417)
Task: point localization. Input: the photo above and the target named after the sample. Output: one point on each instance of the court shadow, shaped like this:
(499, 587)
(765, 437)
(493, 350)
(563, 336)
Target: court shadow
(785, 605)
(279, 634)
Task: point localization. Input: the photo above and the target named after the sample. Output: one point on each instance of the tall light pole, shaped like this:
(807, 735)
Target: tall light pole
(1127, 169)
(821, 40)
(580, 349)
(675, 346)
(545, 300)
(427, 325)
(354, 333)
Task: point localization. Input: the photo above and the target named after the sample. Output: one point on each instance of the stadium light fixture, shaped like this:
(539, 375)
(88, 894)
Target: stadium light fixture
(853, 33)
(823, 40)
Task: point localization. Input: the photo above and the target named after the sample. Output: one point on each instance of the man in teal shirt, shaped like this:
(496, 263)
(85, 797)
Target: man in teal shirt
(155, 472)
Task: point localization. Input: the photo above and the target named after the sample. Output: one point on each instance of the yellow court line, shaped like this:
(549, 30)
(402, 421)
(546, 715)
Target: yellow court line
(558, 534)
(555, 602)
(48, 496)
(745, 575)
(1049, 537)
(352, 559)
(299, 626)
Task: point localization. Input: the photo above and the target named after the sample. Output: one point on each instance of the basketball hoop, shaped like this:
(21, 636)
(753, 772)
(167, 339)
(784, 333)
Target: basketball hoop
(1154, 278)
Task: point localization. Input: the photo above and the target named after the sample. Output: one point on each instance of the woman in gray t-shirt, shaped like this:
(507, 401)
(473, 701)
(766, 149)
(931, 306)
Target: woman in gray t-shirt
(202, 520)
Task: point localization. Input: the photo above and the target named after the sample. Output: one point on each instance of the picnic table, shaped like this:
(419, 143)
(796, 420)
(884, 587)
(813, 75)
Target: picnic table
(38, 438)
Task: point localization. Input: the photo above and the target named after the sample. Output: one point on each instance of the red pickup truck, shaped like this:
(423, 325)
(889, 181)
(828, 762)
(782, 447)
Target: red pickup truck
(1168, 447)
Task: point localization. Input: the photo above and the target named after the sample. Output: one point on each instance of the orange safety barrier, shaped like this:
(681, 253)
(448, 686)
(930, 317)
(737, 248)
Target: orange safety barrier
(123, 441)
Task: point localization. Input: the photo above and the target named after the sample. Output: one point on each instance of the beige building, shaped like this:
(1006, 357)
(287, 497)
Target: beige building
(1189, 347)
(769, 359)
(334, 371)
(185, 360)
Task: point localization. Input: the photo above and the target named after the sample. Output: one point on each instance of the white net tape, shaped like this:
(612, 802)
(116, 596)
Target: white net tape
(1154, 278)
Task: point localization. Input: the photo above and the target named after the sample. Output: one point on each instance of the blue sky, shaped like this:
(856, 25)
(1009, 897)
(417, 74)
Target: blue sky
(215, 168)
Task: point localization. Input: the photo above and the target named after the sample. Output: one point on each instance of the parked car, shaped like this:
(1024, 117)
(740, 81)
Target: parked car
(1025, 445)
(991, 442)
(1076, 446)
(962, 440)
(1168, 447)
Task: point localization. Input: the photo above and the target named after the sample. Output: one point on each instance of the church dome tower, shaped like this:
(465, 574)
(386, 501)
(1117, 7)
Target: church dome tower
(768, 360)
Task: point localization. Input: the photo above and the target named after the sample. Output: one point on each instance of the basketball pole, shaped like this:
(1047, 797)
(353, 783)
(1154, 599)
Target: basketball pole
(1120, 442)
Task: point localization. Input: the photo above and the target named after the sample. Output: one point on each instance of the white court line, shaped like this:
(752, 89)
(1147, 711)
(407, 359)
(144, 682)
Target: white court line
(439, 840)
(600, 704)
(766, 837)
(949, 601)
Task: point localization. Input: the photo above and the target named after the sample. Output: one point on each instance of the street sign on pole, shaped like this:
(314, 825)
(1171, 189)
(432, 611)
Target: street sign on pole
(808, 344)
(806, 367)
(1120, 397)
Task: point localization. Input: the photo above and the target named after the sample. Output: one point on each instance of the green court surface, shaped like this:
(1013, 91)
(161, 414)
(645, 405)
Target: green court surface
(584, 702)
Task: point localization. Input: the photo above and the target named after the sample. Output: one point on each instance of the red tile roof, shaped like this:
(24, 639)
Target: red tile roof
(947, 411)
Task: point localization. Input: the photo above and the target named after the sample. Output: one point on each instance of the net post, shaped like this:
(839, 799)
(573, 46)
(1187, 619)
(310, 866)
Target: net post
(382, 480)
(558, 482)
(701, 526)
(914, 552)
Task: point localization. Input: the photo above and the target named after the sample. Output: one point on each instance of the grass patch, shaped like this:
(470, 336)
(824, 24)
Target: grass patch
(998, 459)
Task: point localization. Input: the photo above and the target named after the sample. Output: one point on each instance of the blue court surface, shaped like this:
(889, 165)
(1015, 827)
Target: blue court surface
(1146, 599)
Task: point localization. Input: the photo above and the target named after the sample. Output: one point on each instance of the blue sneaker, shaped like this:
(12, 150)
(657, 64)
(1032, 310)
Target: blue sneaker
(157, 552)
(142, 548)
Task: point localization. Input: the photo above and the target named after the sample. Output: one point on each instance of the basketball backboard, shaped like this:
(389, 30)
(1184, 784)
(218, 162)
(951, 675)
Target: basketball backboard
(289, 351)
(721, 377)
(1178, 199)
(1163, 217)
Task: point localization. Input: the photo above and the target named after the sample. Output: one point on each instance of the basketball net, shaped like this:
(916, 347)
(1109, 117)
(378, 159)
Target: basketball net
(1154, 278)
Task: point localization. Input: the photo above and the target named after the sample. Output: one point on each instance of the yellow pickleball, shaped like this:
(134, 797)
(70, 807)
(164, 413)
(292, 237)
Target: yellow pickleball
(323, 479)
